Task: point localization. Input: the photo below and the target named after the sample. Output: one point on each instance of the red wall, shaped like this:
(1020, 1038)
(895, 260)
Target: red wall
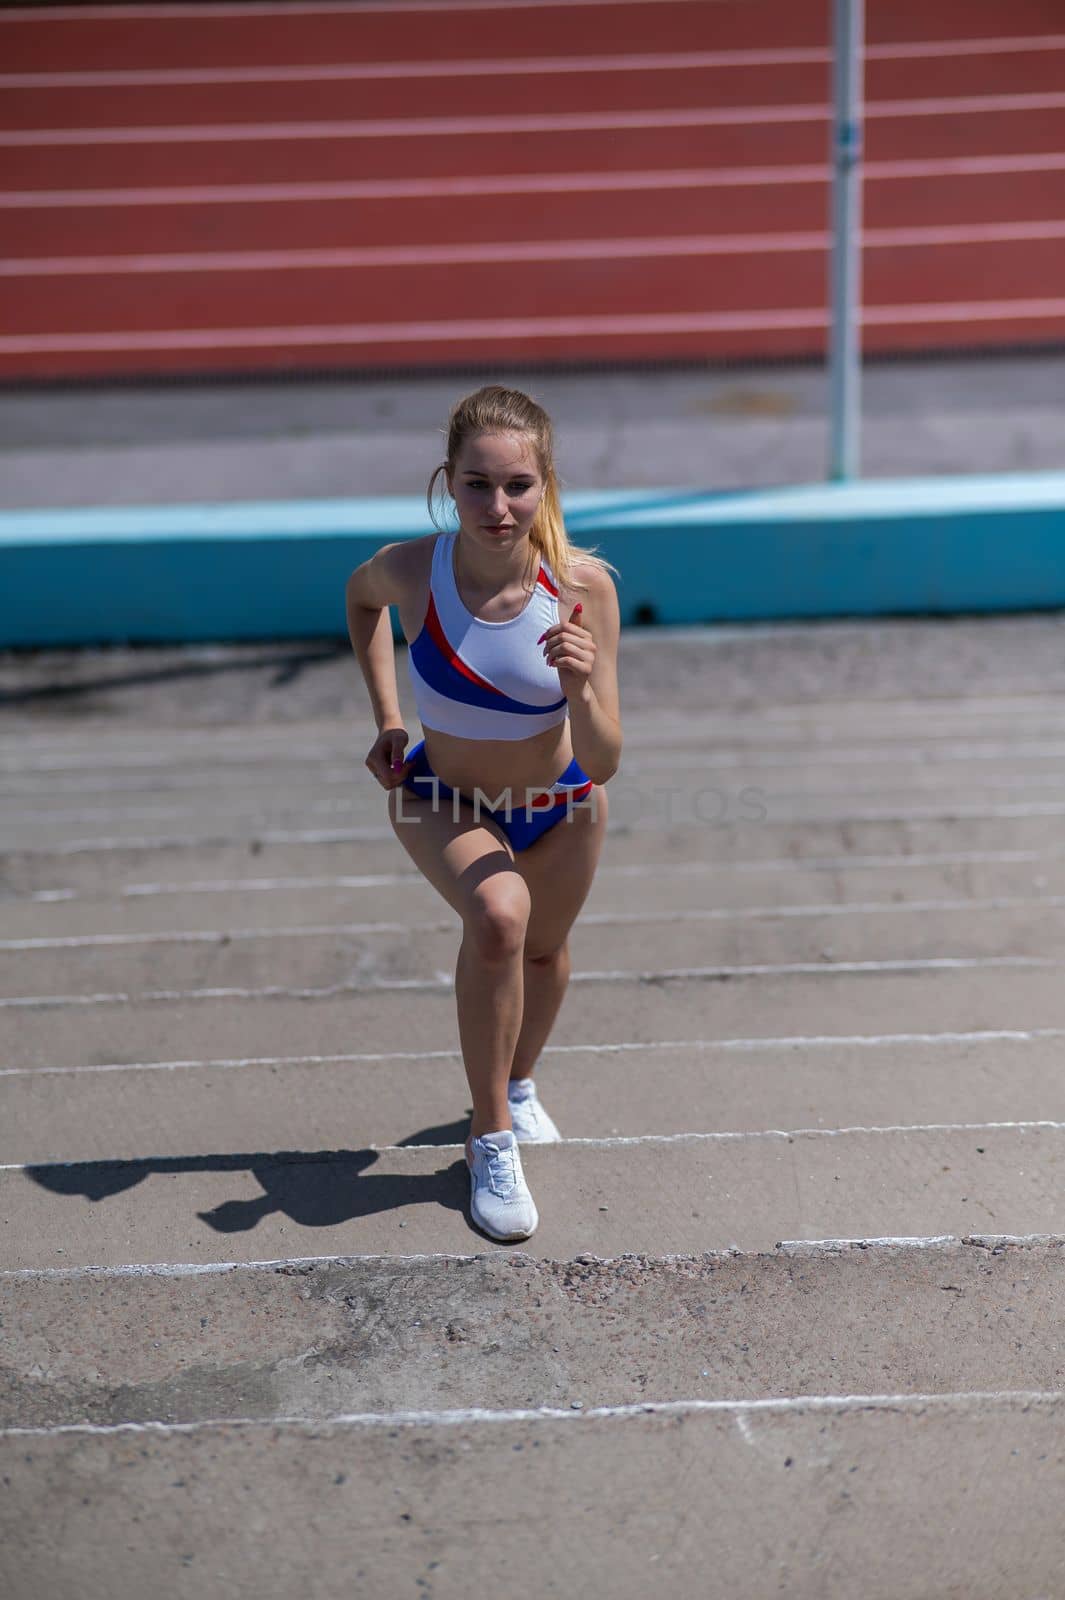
(274, 186)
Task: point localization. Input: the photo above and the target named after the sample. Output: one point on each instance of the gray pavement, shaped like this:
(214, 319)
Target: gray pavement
(792, 1307)
(411, 1333)
(895, 1499)
(702, 427)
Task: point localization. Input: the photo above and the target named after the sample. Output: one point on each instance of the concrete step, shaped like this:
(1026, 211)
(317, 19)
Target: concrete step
(250, 1197)
(879, 710)
(393, 1098)
(888, 732)
(933, 740)
(890, 1497)
(827, 845)
(689, 800)
(603, 1007)
(367, 950)
(661, 1195)
(316, 1337)
(236, 779)
(685, 767)
(728, 889)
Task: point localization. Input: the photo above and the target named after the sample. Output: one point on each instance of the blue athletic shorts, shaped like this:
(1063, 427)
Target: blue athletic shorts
(526, 822)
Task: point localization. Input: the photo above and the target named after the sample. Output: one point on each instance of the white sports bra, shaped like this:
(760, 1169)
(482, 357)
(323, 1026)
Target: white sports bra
(484, 680)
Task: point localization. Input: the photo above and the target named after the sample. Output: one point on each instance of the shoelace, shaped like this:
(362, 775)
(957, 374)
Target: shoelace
(502, 1170)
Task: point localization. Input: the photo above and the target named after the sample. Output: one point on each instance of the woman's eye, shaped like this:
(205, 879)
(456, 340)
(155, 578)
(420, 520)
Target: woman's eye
(512, 488)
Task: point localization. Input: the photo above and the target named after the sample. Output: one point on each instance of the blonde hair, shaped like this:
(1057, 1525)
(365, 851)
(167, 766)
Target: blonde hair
(494, 409)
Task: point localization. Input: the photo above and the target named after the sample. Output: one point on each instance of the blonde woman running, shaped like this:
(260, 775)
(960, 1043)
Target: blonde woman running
(513, 636)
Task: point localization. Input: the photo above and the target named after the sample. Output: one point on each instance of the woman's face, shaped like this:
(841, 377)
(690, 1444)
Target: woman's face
(496, 487)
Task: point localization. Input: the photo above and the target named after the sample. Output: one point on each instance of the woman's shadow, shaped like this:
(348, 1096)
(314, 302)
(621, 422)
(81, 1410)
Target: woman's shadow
(316, 1189)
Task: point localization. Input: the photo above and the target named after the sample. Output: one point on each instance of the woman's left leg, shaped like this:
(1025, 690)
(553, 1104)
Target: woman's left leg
(558, 870)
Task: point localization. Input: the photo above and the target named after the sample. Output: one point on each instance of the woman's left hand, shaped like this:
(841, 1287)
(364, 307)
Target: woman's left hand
(570, 647)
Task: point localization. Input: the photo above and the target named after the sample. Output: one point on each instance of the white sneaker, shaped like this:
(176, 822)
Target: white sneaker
(500, 1201)
(530, 1121)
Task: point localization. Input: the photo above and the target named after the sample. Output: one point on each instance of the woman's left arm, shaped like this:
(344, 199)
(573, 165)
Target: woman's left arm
(585, 651)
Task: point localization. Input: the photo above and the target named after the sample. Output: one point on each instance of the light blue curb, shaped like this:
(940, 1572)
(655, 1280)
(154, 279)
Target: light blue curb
(277, 569)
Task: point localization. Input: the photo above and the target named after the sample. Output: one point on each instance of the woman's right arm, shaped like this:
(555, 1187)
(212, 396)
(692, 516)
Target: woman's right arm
(371, 589)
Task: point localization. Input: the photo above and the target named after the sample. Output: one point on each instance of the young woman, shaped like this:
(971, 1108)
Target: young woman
(513, 636)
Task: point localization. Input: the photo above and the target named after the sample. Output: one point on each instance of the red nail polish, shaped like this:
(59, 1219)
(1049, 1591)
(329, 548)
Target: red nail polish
(578, 608)
(542, 637)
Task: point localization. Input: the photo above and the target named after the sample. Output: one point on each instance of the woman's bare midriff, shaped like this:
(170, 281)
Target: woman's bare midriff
(490, 765)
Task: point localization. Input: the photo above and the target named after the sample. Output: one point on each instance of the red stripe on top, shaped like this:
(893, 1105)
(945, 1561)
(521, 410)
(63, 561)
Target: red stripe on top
(541, 577)
(440, 639)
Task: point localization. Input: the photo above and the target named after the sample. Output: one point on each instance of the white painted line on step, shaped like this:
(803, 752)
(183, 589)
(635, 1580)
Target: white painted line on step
(225, 935)
(836, 1246)
(824, 743)
(738, 1135)
(445, 980)
(945, 811)
(85, 814)
(274, 991)
(792, 804)
(299, 1266)
(804, 780)
(980, 1241)
(25, 783)
(98, 774)
(741, 1410)
(725, 1136)
(643, 755)
(264, 836)
(200, 841)
(796, 809)
(613, 1142)
(370, 880)
(599, 918)
(839, 863)
(917, 720)
(830, 909)
(684, 869)
(286, 1264)
(789, 1042)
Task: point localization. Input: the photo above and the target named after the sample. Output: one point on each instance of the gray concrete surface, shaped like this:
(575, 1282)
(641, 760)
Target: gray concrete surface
(663, 1195)
(700, 427)
(814, 1001)
(325, 957)
(891, 1498)
(805, 1081)
(314, 1338)
(228, 1038)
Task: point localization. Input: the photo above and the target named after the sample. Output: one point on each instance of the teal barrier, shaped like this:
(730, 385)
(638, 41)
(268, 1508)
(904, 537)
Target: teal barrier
(275, 570)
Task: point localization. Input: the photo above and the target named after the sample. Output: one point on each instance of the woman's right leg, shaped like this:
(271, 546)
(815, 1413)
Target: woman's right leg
(471, 864)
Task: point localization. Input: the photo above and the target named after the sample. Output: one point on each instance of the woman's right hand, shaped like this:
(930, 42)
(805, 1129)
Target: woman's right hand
(388, 748)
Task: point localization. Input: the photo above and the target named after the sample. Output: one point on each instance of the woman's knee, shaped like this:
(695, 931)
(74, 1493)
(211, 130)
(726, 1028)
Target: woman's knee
(498, 917)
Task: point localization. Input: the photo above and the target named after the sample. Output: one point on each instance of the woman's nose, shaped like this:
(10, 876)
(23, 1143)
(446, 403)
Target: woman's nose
(499, 501)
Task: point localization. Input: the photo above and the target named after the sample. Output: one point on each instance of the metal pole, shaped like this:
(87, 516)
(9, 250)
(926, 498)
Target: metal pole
(845, 343)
